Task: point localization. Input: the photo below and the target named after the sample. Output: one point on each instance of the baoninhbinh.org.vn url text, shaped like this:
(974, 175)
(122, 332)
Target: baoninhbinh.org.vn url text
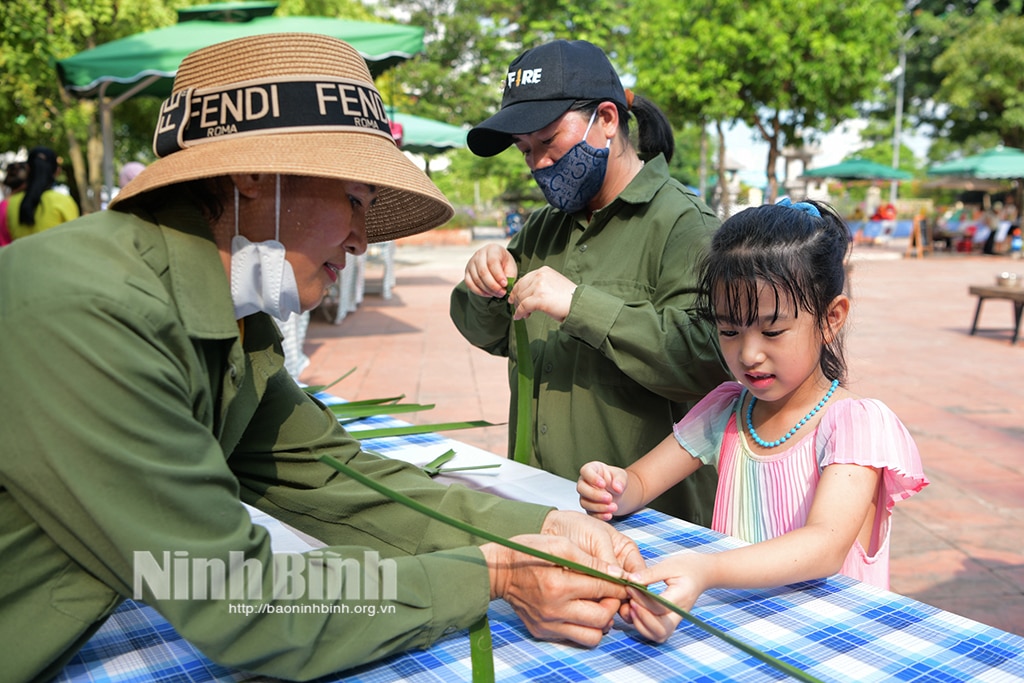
(370, 610)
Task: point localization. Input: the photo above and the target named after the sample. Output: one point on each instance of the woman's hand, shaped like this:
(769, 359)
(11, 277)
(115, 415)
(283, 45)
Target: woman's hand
(545, 290)
(489, 270)
(597, 538)
(555, 603)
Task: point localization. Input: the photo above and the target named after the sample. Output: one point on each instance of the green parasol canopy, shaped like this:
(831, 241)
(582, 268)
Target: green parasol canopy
(427, 136)
(857, 168)
(154, 56)
(997, 163)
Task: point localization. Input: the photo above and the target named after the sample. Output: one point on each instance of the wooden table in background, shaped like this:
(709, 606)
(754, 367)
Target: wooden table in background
(1012, 294)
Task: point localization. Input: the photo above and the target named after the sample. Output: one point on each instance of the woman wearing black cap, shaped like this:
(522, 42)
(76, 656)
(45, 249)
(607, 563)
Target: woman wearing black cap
(610, 264)
(39, 206)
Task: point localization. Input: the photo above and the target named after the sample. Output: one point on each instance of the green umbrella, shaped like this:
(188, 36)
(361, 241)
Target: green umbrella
(427, 136)
(150, 59)
(145, 63)
(858, 169)
(997, 163)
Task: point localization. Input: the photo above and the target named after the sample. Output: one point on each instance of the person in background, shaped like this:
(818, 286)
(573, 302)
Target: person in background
(808, 472)
(141, 357)
(39, 207)
(513, 221)
(14, 181)
(128, 172)
(605, 274)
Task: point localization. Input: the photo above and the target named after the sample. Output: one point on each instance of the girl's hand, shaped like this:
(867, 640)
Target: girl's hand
(489, 270)
(683, 575)
(651, 619)
(601, 487)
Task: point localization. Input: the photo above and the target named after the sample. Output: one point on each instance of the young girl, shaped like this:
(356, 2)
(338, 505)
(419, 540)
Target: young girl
(808, 472)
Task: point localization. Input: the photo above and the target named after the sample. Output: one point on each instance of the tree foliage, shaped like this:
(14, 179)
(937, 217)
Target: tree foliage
(934, 34)
(790, 69)
(35, 34)
(983, 80)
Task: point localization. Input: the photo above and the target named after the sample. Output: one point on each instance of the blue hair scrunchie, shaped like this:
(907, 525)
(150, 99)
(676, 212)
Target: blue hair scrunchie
(800, 206)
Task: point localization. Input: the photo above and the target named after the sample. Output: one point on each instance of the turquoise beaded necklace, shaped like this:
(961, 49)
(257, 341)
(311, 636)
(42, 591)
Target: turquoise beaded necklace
(804, 420)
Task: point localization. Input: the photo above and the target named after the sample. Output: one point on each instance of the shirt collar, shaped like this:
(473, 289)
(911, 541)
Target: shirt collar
(198, 281)
(640, 190)
(647, 182)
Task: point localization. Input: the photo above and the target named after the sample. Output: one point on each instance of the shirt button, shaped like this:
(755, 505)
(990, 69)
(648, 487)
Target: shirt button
(543, 429)
(547, 367)
(450, 630)
(583, 248)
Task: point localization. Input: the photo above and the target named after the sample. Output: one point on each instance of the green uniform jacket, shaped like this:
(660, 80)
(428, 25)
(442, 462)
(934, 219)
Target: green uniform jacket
(135, 420)
(630, 358)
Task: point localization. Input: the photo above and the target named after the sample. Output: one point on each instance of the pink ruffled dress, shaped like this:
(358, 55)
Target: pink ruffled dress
(764, 496)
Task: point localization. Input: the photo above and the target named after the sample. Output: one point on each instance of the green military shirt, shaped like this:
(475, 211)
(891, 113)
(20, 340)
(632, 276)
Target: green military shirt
(630, 357)
(136, 419)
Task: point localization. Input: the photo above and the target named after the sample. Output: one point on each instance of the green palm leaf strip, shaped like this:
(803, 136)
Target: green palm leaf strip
(324, 387)
(524, 405)
(436, 466)
(362, 434)
(481, 654)
(375, 401)
(405, 500)
(350, 411)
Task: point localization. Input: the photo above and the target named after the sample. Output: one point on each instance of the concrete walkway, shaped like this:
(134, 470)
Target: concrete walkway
(958, 545)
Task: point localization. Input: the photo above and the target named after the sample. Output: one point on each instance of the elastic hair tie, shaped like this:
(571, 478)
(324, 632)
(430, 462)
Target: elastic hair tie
(629, 98)
(799, 206)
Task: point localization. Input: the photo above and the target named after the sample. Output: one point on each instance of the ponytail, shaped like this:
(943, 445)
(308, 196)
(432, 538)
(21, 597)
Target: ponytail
(654, 132)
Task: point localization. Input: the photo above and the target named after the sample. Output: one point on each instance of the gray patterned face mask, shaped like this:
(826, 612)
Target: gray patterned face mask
(572, 181)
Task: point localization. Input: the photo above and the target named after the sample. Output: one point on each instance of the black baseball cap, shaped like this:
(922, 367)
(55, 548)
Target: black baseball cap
(541, 85)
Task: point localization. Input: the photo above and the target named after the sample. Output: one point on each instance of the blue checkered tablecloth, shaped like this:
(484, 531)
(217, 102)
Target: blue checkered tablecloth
(835, 629)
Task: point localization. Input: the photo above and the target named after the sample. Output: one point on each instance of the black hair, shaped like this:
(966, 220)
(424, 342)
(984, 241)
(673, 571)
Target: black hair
(42, 170)
(654, 131)
(16, 176)
(207, 193)
(799, 256)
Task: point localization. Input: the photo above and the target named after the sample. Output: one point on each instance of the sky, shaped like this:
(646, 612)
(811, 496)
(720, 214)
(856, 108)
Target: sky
(743, 147)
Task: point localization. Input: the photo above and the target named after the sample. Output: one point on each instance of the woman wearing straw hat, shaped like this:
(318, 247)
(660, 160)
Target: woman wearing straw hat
(147, 374)
(606, 272)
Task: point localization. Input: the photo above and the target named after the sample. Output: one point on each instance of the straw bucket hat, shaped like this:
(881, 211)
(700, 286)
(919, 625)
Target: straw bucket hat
(294, 104)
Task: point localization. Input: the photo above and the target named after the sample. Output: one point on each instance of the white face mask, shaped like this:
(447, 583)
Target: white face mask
(261, 277)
